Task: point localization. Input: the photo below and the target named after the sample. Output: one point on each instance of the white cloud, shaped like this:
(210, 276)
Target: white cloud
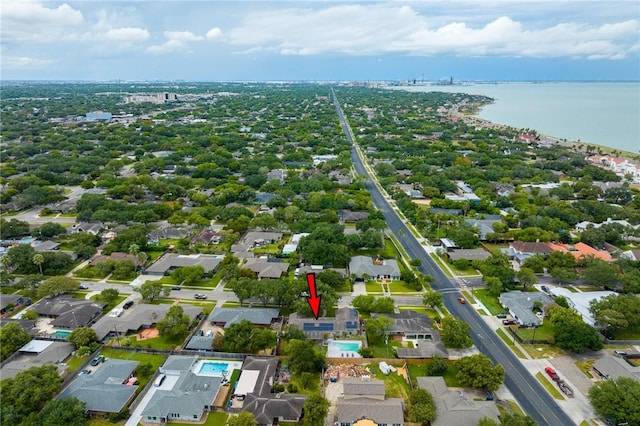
(127, 35)
(24, 62)
(32, 21)
(214, 34)
(380, 29)
(176, 41)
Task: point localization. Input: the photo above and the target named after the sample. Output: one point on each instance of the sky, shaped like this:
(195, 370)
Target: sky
(320, 40)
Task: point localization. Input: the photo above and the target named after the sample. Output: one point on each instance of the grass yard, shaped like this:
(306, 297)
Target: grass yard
(155, 360)
(380, 349)
(232, 382)
(549, 386)
(421, 310)
(216, 418)
(76, 362)
(314, 387)
(490, 302)
(450, 376)
(373, 287)
(395, 385)
(400, 287)
(544, 332)
(509, 342)
(160, 342)
(586, 366)
(543, 351)
(632, 333)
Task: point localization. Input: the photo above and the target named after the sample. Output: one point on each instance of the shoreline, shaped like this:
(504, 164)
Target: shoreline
(606, 150)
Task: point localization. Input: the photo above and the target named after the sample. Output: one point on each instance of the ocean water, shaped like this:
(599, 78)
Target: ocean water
(606, 114)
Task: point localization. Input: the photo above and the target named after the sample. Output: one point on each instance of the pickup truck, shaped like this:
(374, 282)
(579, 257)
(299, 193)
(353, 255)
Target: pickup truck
(552, 373)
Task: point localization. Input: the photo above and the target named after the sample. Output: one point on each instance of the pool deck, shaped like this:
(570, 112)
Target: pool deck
(335, 352)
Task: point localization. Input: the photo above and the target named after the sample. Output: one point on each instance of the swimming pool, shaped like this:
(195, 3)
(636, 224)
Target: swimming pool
(344, 349)
(61, 334)
(213, 368)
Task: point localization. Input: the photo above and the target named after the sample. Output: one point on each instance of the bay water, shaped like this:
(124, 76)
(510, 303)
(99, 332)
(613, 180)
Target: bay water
(606, 114)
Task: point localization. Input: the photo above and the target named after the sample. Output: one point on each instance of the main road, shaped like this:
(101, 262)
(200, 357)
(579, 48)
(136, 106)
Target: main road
(532, 397)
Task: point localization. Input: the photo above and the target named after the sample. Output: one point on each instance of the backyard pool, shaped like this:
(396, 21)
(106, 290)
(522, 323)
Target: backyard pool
(344, 349)
(216, 368)
(61, 334)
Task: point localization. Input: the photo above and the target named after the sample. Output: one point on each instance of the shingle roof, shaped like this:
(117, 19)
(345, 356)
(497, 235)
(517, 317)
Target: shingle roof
(104, 390)
(257, 316)
(613, 367)
(408, 322)
(520, 305)
(455, 408)
(189, 396)
(197, 343)
(355, 386)
(172, 260)
(360, 265)
(266, 269)
(387, 411)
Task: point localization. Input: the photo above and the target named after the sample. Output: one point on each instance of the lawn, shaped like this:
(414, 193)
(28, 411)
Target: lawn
(161, 342)
(586, 366)
(544, 332)
(509, 342)
(395, 385)
(76, 362)
(400, 287)
(373, 287)
(431, 313)
(155, 360)
(490, 302)
(232, 382)
(380, 349)
(549, 386)
(216, 418)
(111, 305)
(628, 334)
(450, 376)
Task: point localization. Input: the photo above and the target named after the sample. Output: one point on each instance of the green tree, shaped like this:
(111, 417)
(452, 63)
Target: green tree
(242, 288)
(377, 328)
(571, 333)
(599, 273)
(617, 399)
(563, 275)
(478, 372)
(175, 324)
(82, 336)
(456, 333)
(536, 263)
(433, 299)
(437, 366)
(27, 392)
(62, 412)
(331, 278)
(109, 295)
(12, 338)
(243, 418)
(487, 421)
(303, 356)
(499, 266)
(245, 337)
(49, 230)
(57, 285)
(149, 290)
(422, 409)
(494, 286)
(516, 419)
(526, 277)
(316, 408)
(188, 274)
(263, 221)
(38, 259)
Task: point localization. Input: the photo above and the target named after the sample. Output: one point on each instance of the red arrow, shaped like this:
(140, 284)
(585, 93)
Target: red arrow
(313, 299)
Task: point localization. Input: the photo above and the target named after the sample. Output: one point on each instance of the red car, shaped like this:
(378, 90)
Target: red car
(552, 373)
(461, 300)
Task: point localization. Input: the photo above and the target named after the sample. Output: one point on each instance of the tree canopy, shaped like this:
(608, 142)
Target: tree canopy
(12, 338)
(175, 324)
(478, 371)
(617, 399)
(456, 333)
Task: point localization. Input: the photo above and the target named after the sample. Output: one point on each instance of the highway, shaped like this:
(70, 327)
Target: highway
(529, 393)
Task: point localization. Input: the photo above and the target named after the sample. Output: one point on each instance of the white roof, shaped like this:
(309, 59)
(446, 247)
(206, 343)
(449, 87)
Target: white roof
(581, 301)
(247, 382)
(36, 346)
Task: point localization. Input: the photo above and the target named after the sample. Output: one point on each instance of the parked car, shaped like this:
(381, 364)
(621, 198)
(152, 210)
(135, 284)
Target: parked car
(545, 289)
(128, 304)
(552, 373)
(509, 321)
(175, 287)
(85, 371)
(501, 316)
(620, 353)
(461, 300)
(84, 287)
(97, 360)
(200, 296)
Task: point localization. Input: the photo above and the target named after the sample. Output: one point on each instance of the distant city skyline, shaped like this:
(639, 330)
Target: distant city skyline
(320, 40)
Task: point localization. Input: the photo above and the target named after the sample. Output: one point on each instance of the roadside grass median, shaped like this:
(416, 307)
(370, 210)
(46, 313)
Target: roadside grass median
(509, 342)
(549, 386)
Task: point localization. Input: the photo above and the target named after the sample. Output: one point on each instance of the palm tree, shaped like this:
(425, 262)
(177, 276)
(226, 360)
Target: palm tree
(142, 258)
(38, 259)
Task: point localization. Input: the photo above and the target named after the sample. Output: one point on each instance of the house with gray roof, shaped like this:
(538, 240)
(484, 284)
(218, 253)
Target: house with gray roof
(522, 250)
(140, 316)
(186, 398)
(108, 389)
(454, 407)
(380, 269)
(36, 353)
(225, 317)
(484, 226)
(346, 322)
(612, 367)
(168, 233)
(468, 254)
(520, 306)
(267, 408)
(365, 400)
(417, 328)
(266, 268)
(8, 300)
(170, 261)
(67, 311)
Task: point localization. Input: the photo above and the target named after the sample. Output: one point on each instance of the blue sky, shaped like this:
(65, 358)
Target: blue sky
(320, 40)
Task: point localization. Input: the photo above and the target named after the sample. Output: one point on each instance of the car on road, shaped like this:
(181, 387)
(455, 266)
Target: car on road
(97, 360)
(84, 287)
(176, 287)
(552, 373)
(461, 300)
(128, 304)
(620, 353)
(200, 296)
(85, 371)
(545, 289)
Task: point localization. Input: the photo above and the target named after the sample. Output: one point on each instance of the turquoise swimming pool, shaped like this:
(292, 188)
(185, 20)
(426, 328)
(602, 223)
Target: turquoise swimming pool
(61, 334)
(344, 349)
(213, 368)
